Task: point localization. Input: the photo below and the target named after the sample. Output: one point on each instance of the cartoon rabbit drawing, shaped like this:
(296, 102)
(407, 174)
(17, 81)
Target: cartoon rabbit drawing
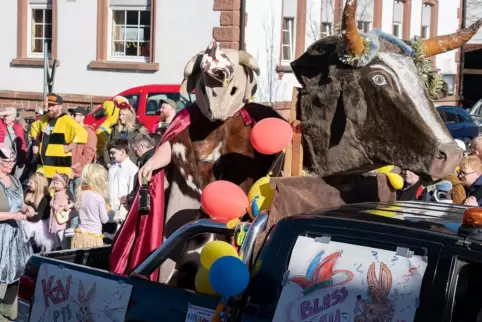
(377, 307)
(83, 311)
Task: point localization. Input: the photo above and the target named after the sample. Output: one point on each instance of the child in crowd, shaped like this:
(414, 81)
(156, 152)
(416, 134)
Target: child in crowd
(61, 206)
(470, 175)
(92, 201)
(38, 197)
(121, 182)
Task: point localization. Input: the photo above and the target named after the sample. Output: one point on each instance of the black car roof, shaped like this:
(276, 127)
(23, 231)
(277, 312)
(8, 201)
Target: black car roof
(428, 216)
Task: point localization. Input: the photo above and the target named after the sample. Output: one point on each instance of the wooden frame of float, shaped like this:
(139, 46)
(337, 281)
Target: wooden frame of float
(293, 165)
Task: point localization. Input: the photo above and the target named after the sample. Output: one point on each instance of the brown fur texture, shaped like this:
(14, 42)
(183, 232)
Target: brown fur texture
(458, 191)
(352, 125)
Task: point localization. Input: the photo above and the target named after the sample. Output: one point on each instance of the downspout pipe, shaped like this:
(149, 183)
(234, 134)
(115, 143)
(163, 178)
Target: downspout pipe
(242, 25)
(462, 56)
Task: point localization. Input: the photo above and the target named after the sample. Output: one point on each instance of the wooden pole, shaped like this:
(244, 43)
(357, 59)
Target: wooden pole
(294, 153)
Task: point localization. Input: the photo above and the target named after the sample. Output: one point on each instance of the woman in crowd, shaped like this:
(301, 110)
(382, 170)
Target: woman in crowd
(38, 197)
(15, 249)
(412, 188)
(13, 136)
(470, 174)
(126, 128)
(92, 203)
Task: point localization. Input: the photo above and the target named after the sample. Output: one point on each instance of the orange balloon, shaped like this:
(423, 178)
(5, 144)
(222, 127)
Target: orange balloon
(223, 201)
(271, 135)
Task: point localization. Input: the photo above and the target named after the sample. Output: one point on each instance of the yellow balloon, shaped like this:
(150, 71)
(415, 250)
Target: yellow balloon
(395, 180)
(202, 284)
(214, 250)
(386, 169)
(263, 193)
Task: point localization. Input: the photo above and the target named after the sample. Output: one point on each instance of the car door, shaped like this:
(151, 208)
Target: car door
(455, 127)
(471, 130)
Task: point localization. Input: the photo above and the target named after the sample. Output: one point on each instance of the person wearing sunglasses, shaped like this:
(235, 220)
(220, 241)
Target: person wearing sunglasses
(470, 175)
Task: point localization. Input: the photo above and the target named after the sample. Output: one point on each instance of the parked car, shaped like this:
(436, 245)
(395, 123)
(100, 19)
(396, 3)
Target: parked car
(459, 123)
(476, 113)
(412, 253)
(145, 100)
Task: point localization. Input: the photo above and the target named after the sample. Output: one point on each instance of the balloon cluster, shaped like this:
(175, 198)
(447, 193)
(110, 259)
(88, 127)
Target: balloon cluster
(226, 202)
(222, 271)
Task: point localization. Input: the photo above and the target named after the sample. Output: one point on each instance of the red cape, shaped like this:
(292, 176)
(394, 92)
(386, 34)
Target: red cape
(141, 235)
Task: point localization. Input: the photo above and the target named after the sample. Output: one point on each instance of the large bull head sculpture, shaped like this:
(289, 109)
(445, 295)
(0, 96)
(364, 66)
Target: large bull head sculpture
(366, 102)
(224, 81)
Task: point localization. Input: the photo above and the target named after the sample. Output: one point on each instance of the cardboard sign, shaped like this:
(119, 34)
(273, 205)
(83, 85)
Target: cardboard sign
(198, 314)
(335, 282)
(63, 295)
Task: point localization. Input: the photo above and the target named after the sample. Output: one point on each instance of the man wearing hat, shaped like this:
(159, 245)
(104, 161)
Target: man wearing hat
(82, 154)
(55, 134)
(13, 136)
(167, 109)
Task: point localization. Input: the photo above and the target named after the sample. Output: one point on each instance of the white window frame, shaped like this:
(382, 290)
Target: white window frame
(427, 33)
(325, 33)
(111, 57)
(32, 7)
(291, 30)
(365, 23)
(399, 29)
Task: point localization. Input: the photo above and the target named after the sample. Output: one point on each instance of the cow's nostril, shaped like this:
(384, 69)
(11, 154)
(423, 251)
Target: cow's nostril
(442, 155)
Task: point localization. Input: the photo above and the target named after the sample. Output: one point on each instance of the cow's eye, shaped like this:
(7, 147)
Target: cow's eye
(379, 80)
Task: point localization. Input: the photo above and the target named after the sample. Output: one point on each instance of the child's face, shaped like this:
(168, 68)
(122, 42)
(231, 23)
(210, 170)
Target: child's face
(468, 176)
(58, 185)
(118, 155)
(32, 185)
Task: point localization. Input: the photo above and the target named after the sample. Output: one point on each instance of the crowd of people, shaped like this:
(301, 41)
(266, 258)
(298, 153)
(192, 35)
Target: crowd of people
(468, 175)
(56, 191)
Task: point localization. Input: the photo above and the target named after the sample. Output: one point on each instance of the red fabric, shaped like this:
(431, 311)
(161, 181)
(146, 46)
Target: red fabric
(141, 235)
(17, 128)
(419, 192)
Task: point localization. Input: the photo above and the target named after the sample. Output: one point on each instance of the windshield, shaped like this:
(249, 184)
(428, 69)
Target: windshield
(476, 110)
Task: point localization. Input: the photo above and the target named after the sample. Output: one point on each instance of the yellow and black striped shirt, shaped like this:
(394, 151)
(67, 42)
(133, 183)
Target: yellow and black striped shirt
(52, 135)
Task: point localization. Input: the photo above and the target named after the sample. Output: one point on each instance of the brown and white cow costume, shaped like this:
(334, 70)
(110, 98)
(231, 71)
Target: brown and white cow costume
(215, 146)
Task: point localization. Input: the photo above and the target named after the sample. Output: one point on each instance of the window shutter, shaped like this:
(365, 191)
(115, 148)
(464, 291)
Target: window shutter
(130, 3)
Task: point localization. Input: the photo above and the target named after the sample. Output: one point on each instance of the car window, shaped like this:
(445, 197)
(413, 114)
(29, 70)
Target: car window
(451, 117)
(153, 100)
(462, 117)
(133, 100)
(442, 114)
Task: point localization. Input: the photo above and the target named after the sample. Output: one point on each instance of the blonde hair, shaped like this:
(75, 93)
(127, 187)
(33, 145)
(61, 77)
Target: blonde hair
(473, 162)
(130, 120)
(93, 177)
(34, 197)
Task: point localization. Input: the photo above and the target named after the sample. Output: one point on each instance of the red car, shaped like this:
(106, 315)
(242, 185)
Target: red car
(145, 100)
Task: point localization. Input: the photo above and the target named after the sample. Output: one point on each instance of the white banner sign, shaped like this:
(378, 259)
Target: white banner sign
(63, 295)
(335, 282)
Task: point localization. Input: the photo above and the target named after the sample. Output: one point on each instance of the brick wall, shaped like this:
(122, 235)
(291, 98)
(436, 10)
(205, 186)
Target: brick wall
(228, 32)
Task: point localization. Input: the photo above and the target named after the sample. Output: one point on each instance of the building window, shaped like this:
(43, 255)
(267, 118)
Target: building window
(450, 81)
(130, 34)
(326, 29)
(288, 42)
(40, 31)
(426, 17)
(363, 26)
(397, 19)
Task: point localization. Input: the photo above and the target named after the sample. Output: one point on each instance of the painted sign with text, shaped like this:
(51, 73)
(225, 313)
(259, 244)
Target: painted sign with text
(335, 282)
(63, 295)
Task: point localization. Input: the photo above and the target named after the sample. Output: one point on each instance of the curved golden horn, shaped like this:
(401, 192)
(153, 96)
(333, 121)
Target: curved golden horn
(249, 61)
(352, 38)
(441, 44)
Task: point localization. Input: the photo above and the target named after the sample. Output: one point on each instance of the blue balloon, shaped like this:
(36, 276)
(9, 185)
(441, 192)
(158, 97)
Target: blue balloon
(229, 276)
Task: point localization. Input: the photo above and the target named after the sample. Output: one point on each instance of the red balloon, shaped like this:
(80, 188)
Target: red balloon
(271, 135)
(223, 200)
